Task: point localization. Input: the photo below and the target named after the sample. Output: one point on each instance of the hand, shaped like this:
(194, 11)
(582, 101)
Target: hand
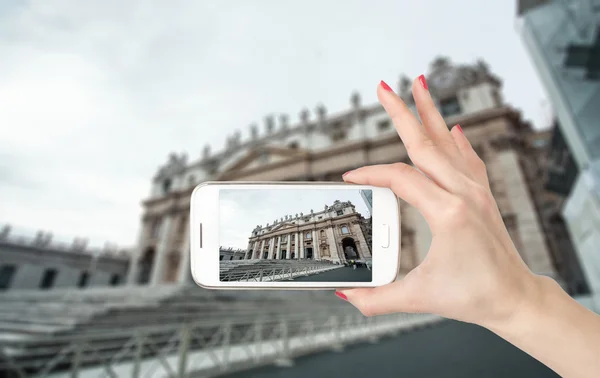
(472, 271)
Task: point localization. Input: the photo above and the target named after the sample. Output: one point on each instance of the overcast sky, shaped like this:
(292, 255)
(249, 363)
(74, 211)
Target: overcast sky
(94, 95)
(242, 210)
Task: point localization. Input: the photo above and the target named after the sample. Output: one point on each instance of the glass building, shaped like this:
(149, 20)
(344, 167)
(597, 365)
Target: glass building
(367, 195)
(563, 40)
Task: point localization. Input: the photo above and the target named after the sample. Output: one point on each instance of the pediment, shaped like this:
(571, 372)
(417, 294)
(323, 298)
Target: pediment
(260, 156)
(284, 225)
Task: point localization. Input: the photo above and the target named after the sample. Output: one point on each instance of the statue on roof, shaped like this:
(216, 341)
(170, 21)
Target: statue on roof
(482, 66)
(441, 62)
(304, 116)
(254, 131)
(404, 84)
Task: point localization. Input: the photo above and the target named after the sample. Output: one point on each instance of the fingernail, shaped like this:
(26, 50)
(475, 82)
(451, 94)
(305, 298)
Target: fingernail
(459, 128)
(423, 81)
(346, 173)
(385, 86)
(341, 295)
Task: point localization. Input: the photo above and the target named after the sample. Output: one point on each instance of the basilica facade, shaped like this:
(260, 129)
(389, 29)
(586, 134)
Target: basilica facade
(324, 146)
(335, 234)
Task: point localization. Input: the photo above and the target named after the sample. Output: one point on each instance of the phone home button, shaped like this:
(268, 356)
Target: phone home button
(385, 235)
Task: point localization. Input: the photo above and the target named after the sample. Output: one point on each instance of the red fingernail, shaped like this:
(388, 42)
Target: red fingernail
(341, 295)
(459, 128)
(346, 173)
(423, 81)
(385, 86)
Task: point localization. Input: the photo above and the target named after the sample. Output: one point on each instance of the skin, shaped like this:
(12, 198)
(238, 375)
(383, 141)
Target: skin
(472, 272)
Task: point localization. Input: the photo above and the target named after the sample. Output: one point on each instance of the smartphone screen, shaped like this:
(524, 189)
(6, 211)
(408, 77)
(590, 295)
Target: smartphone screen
(304, 235)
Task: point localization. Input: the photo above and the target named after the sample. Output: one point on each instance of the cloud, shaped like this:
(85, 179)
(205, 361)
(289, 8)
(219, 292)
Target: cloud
(240, 211)
(94, 95)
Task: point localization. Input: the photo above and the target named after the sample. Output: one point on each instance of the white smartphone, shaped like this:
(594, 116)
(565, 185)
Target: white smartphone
(293, 235)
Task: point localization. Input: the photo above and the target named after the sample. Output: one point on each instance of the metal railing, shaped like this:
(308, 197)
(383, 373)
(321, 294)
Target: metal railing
(203, 347)
(260, 274)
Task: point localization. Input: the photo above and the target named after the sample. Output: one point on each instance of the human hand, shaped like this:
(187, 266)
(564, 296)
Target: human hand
(472, 271)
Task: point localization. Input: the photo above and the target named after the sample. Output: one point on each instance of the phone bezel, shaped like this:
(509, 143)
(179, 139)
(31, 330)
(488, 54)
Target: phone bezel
(204, 208)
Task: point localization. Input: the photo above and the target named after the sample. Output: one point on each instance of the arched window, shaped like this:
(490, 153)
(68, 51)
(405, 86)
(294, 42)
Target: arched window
(345, 229)
(183, 224)
(308, 235)
(166, 186)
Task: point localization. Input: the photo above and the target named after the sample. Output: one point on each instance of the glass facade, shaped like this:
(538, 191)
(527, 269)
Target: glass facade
(367, 195)
(563, 39)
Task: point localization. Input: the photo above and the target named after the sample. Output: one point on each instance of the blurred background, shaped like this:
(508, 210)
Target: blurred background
(111, 112)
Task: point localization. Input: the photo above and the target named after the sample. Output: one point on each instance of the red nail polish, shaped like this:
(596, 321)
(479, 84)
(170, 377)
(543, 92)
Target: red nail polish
(385, 86)
(423, 81)
(459, 128)
(341, 295)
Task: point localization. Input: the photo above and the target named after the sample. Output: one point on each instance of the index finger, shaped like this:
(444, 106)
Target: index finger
(407, 183)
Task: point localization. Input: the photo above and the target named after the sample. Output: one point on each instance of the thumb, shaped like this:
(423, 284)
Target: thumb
(397, 296)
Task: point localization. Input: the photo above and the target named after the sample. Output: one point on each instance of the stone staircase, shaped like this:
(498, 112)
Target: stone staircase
(38, 328)
(242, 269)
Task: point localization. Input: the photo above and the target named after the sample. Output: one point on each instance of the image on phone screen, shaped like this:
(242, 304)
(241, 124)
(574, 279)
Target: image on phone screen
(295, 235)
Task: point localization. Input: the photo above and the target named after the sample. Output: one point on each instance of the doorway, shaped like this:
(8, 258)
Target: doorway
(309, 253)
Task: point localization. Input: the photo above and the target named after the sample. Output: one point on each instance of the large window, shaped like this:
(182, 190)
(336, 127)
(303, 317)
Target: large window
(384, 125)
(183, 225)
(83, 279)
(345, 229)
(450, 107)
(48, 278)
(166, 186)
(308, 235)
(338, 136)
(7, 273)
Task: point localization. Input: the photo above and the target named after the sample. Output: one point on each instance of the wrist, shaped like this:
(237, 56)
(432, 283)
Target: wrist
(531, 301)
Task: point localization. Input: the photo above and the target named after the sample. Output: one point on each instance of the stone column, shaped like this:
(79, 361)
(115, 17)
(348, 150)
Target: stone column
(278, 249)
(271, 248)
(289, 245)
(333, 248)
(301, 241)
(255, 248)
(315, 243)
(251, 247)
(184, 275)
(134, 259)
(297, 245)
(162, 251)
(361, 242)
(262, 248)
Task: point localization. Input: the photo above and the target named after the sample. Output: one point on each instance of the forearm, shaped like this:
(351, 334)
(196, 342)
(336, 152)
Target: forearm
(556, 330)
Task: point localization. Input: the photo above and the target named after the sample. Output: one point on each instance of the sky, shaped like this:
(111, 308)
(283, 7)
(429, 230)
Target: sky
(242, 210)
(95, 95)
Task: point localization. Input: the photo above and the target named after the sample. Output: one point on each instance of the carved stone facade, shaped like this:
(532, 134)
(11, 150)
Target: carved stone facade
(324, 148)
(335, 234)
